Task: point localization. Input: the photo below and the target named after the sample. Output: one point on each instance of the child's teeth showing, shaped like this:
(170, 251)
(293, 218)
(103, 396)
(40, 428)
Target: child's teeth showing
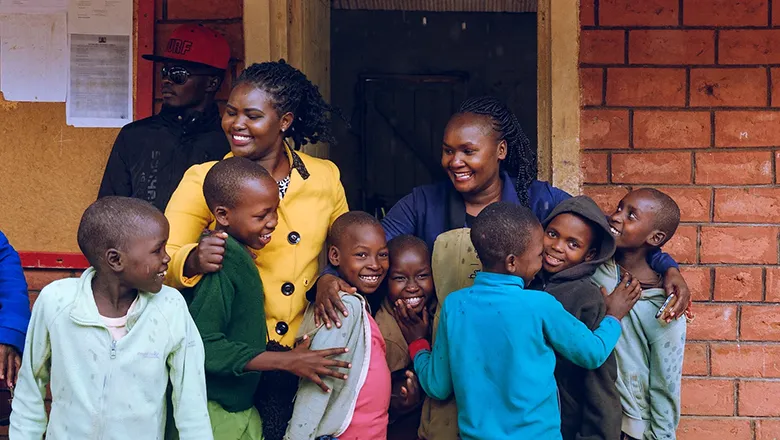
(370, 278)
(414, 302)
(614, 231)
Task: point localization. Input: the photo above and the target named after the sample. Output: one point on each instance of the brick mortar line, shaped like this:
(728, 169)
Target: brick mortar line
(674, 108)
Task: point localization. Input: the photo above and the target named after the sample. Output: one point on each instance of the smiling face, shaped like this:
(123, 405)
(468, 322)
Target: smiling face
(410, 278)
(567, 243)
(633, 222)
(527, 264)
(472, 152)
(254, 218)
(361, 257)
(252, 125)
(144, 261)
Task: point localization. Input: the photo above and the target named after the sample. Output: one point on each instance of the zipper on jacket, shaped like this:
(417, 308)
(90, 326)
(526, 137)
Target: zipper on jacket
(113, 349)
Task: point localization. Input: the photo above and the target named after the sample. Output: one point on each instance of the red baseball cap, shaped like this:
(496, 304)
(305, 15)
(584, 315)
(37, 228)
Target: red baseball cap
(196, 43)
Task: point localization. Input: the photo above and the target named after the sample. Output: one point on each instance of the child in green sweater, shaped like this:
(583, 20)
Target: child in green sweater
(228, 305)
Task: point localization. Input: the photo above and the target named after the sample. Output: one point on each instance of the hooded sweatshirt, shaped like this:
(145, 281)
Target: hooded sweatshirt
(590, 403)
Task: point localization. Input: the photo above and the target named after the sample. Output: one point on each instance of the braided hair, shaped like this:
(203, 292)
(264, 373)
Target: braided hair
(292, 92)
(520, 162)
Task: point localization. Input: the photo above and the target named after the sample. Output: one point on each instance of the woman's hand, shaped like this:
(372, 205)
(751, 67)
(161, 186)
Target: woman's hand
(10, 362)
(674, 283)
(328, 300)
(314, 364)
(413, 327)
(207, 257)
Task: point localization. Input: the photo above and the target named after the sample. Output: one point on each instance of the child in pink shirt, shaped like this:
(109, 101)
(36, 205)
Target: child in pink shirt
(355, 408)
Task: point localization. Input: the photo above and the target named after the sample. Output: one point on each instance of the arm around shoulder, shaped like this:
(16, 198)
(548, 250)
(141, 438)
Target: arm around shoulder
(188, 215)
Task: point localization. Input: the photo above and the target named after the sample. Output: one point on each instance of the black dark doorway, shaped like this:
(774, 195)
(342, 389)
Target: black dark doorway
(379, 64)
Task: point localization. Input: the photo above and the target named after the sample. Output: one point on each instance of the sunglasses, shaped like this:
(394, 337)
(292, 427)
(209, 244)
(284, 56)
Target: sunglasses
(178, 75)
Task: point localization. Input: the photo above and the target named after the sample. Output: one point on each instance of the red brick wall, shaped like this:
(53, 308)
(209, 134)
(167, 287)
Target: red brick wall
(680, 95)
(224, 16)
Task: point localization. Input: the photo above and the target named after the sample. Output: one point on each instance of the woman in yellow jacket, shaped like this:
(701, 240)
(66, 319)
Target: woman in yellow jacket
(270, 103)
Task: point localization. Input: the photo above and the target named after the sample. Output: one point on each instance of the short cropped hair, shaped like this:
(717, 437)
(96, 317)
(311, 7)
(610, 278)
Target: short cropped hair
(404, 242)
(667, 216)
(502, 229)
(223, 182)
(111, 223)
(347, 221)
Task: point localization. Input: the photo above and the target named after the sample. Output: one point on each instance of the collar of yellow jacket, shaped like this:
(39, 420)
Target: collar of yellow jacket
(296, 162)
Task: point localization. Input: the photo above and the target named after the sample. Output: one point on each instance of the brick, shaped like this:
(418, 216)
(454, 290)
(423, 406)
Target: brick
(760, 323)
(587, 13)
(606, 129)
(707, 397)
(734, 168)
(754, 46)
(37, 279)
(602, 47)
(726, 13)
(694, 202)
(205, 9)
(747, 205)
(671, 129)
(739, 244)
(682, 247)
(777, 169)
(699, 281)
(591, 86)
(775, 74)
(758, 398)
(714, 322)
(695, 360)
(33, 296)
(773, 284)
(767, 429)
(738, 284)
(594, 167)
(233, 32)
(745, 360)
(634, 13)
(671, 47)
(728, 87)
(643, 87)
(714, 429)
(607, 197)
(667, 168)
(747, 128)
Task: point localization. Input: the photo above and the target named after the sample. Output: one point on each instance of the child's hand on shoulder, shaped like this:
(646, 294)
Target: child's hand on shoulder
(623, 298)
(413, 326)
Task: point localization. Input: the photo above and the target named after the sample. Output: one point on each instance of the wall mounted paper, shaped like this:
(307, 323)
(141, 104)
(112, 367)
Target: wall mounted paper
(33, 6)
(100, 89)
(100, 17)
(34, 51)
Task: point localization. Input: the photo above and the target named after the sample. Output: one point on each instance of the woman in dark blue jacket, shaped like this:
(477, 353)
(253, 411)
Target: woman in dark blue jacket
(14, 312)
(488, 159)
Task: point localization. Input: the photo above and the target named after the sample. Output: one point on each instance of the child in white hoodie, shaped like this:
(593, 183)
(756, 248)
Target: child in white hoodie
(112, 340)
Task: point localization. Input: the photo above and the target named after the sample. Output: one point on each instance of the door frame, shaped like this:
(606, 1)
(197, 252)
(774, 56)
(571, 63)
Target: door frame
(299, 31)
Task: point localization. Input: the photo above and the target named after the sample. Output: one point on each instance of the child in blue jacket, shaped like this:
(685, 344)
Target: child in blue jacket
(496, 341)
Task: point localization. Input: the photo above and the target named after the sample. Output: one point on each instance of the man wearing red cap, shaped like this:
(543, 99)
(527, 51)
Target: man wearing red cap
(150, 156)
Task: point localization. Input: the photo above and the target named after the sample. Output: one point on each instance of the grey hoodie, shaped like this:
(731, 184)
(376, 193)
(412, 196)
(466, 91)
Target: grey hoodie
(590, 404)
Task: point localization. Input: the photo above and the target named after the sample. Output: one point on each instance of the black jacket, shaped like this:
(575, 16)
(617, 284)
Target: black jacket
(590, 403)
(150, 156)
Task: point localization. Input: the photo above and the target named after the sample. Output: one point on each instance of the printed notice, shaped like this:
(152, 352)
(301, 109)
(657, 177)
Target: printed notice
(100, 92)
(100, 17)
(34, 51)
(33, 6)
